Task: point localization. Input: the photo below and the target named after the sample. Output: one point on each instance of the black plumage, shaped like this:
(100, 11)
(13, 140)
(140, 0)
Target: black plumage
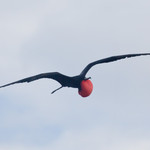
(74, 82)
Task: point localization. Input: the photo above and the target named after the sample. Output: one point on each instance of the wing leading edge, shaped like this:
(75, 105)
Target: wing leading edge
(62, 79)
(109, 59)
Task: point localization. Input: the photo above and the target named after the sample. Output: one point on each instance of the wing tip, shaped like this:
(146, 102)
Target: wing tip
(4, 86)
(7, 85)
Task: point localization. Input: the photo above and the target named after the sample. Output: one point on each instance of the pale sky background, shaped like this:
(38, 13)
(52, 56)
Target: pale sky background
(66, 35)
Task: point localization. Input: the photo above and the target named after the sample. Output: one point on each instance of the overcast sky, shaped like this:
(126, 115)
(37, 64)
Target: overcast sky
(66, 35)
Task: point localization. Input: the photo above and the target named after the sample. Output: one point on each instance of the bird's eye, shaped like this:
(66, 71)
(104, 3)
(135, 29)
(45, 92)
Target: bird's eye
(86, 88)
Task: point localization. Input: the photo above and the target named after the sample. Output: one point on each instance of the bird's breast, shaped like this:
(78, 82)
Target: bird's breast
(86, 88)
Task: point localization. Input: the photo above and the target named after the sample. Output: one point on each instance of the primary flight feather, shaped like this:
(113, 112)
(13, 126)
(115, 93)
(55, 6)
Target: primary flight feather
(83, 84)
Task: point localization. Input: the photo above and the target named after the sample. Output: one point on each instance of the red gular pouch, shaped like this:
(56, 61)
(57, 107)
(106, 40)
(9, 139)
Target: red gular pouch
(86, 88)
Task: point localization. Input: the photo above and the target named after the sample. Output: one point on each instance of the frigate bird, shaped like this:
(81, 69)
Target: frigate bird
(80, 81)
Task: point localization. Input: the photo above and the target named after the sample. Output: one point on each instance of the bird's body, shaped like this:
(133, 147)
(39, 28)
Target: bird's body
(83, 84)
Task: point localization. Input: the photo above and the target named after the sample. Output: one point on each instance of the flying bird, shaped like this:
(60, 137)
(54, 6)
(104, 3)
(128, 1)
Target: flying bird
(84, 84)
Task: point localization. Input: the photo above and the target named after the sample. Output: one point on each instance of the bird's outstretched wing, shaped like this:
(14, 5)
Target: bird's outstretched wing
(62, 79)
(109, 59)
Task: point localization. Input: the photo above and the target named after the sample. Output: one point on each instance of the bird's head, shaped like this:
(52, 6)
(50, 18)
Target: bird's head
(86, 87)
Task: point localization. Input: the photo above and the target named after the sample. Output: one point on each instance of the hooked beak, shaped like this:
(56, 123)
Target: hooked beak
(87, 78)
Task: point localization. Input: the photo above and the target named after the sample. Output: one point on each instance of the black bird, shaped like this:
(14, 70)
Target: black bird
(80, 81)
